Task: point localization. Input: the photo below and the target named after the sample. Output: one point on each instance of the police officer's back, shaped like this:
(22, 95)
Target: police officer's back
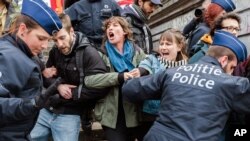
(196, 99)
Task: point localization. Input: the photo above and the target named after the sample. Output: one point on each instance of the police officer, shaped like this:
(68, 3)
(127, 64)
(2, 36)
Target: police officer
(20, 77)
(196, 99)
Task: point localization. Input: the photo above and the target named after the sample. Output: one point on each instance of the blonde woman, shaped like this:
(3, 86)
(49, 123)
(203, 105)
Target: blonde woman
(171, 53)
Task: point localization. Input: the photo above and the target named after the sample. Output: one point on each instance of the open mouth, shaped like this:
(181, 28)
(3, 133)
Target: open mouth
(165, 54)
(111, 35)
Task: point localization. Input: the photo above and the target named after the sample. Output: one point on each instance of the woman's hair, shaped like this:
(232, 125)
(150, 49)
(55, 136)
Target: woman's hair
(218, 22)
(30, 23)
(124, 24)
(174, 35)
(211, 13)
(66, 23)
(219, 51)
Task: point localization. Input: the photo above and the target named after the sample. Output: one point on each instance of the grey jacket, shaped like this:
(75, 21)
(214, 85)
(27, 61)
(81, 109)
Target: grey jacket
(196, 100)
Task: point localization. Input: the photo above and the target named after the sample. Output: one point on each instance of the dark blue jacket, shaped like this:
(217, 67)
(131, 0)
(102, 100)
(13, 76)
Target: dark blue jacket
(20, 81)
(196, 35)
(196, 100)
(87, 17)
(201, 49)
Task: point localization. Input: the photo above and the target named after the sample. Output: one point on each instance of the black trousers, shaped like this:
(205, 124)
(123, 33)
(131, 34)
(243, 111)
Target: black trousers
(121, 132)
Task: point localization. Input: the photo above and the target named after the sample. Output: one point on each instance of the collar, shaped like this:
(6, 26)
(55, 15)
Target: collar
(210, 60)
(19, 43)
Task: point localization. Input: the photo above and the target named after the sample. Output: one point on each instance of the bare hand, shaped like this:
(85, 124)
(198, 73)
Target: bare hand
(127, 76)
(65, 90)
(49, 72)
(135, 72)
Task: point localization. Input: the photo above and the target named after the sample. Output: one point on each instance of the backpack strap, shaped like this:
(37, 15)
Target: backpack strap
(79, 65)
(145, 30)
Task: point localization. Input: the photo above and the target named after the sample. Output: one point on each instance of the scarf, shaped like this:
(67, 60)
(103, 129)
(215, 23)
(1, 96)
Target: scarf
(170, 64)
(121, 62)
(140, 13)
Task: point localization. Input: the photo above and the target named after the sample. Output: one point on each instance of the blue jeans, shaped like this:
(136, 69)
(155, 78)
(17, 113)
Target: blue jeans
(62, 127)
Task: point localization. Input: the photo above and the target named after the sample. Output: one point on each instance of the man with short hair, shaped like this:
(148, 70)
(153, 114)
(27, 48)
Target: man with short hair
(137, 15)
(73, 57)
(196, 99)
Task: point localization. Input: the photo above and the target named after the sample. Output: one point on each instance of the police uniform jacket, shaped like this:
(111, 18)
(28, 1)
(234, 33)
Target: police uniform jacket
(20, 81)
(196, 100)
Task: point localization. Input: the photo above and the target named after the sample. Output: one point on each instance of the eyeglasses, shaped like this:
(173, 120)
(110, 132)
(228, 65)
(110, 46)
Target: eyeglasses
(231, 28)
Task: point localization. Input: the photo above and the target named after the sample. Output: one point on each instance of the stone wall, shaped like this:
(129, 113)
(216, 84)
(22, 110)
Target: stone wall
(177, 13)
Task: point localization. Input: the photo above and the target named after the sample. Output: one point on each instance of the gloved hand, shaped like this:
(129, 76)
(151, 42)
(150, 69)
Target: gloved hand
(40, 100)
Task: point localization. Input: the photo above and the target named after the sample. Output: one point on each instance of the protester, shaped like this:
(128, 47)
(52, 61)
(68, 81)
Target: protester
(87, 17)
(229, 22)
(137, 15)
(20, 76)
(171, 53)
(121, 56)
(73, 57)
(214, 10)
(196, 99)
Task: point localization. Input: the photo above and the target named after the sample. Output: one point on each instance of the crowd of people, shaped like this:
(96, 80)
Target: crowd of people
(103, 67)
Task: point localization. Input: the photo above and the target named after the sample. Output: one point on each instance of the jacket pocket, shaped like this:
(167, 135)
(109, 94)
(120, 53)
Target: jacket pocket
(84, 23)
(99, 108)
